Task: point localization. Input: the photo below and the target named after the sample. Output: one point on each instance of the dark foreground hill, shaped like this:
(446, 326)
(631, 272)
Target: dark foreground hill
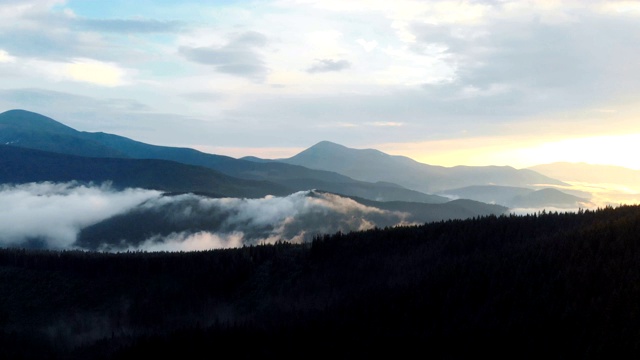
(547, 285)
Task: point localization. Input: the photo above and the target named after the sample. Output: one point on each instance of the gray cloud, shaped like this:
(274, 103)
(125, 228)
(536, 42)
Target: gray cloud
(238, 57)
(203, 96)
(248, 39)
(327, 65)
(550, 66)
(38, 32)
(506, 72)
(51, 44)
(120, 116)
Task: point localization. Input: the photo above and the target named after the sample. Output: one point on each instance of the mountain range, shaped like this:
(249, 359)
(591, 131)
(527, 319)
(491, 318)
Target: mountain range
(20, 128)
(519, 197)
(374, 165)
(36, 148)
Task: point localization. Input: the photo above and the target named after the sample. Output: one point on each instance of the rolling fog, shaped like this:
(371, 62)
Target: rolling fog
(65, 215)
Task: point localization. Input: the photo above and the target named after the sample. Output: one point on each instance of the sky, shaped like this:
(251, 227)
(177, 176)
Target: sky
(447, 83)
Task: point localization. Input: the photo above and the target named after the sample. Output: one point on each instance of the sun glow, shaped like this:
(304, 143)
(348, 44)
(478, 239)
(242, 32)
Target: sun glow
(619, 150)
(520, 152)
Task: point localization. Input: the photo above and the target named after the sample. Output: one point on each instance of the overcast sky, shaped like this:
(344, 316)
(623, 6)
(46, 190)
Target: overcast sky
(445, 82)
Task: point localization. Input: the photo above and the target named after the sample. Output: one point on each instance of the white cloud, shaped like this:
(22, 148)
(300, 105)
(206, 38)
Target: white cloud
(5, 57)
(80, 70)
(55, 213)
(95, 72)
(199, 241)
(368, 46)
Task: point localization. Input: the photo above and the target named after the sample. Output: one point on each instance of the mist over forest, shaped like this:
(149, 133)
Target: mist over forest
(68, 216)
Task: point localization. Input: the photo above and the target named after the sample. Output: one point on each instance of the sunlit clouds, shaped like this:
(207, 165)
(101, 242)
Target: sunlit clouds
(521, 152)
(96, 72)
(618, 150)
(5, 57)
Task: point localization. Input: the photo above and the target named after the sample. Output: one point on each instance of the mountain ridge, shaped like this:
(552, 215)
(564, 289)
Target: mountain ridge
(33, 130)
(365, 165)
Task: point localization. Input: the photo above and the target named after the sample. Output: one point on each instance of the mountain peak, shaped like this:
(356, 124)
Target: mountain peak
(327, 145)
(28, 120)
(332, 148)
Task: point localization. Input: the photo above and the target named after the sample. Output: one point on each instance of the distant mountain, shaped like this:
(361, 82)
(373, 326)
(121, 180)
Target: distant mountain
(21, 165)
(31, 130)
(589, 173)
(455, 209)
(35, 131)
(548, 198)
(374, 165)
(518, 197)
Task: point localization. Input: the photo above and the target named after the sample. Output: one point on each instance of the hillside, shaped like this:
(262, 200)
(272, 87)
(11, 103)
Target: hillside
(318, 212)
(548, 285)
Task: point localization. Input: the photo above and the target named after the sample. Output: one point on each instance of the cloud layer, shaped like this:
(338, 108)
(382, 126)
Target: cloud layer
(51, 215)
(190, 222)
(77, 216)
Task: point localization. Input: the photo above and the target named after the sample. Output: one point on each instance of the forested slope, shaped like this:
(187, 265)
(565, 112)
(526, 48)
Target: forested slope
(554, 285)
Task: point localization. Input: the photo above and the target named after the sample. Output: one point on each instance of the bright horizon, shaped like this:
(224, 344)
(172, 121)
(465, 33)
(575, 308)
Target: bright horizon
(480, 152)
(517, 83)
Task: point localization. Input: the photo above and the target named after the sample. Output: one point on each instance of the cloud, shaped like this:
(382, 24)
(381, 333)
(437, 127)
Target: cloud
(386, 123)
(5, 57)
(239, 57)
(140, 26)
(51, 31)
(202, 96)
(95, 72)
(97, 217)
(51, 215)
(368, 46)
(328, 65)
(539, 59)
(33, 31)
(186, 241)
